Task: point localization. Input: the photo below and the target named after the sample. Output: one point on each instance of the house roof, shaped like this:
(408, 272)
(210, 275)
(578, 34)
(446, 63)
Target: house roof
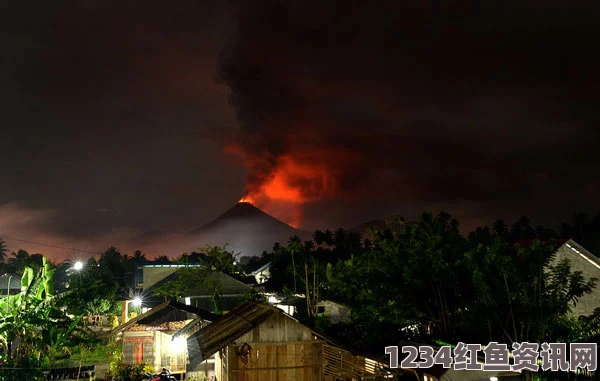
(563, 243)
(191, 328)
(261, 268)
(205, 342)
(168, 311)
(234, 324)
(228, 285)
(582, 252)
(292, 301)
(15, 281)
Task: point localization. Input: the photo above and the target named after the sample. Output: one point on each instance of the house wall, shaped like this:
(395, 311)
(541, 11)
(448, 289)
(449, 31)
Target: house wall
(204, 369)
(277, 328)
(169, 353)
(158, 350)
(132, 341)
(263, 276)
(280, 349)
(298, 361)
(335, 312)
(589, 268)
(340, 364)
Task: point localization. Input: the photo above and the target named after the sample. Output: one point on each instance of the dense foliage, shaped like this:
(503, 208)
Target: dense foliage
(424, 281)
(420, 280)
(34, 330)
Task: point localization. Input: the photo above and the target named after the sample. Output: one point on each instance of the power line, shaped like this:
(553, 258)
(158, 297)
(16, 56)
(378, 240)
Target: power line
(64, 248)
(48, 245)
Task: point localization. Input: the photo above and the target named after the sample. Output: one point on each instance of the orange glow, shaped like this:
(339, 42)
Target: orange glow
(279, 189)
(247, 199)
(281, 186)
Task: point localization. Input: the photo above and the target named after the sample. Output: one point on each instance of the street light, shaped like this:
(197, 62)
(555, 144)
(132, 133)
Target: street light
(78, 266)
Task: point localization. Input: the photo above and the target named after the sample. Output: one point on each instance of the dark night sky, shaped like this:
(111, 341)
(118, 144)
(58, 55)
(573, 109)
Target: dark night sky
(123, 117)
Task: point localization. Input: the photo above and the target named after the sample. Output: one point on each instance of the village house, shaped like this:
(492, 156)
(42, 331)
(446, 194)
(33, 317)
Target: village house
(10, 284)
(257, 342)
(150, 337)
(262, 274)
(582, 260)
(229, 291)
(335, 312)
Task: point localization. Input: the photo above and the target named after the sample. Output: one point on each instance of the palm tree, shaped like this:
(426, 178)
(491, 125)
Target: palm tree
(138, 256)
(3, 250)
(319, 237)
(18, 260)
(308, 250)
(162, 259)
(294, 246)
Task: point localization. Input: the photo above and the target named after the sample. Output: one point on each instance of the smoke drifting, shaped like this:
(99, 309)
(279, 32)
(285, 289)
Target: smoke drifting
(399, 101)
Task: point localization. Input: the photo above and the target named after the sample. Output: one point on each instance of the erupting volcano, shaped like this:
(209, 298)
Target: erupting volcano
(246, 199)
(283, 185)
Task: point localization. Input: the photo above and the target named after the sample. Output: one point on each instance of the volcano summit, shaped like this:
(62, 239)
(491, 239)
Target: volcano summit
(245, 229)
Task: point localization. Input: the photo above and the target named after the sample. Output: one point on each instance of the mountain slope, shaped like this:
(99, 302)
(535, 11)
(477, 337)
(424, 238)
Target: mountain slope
(245, 229)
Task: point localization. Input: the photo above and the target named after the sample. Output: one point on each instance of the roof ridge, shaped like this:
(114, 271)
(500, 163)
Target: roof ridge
(583, 252)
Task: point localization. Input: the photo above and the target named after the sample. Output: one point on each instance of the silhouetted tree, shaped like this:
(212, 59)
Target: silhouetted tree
(162, 259)
(294, 247)
(522, 229)
(500, 228)
(20, 259)
(139, 256)
(584, 230)
(3, 250)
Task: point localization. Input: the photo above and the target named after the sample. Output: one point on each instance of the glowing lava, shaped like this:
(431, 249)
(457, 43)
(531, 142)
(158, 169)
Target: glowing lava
(247, 199)
(281, 186)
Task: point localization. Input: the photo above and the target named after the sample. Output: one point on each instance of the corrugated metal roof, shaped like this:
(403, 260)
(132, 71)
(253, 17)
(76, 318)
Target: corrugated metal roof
(261, 268)
(191, 328)
(208, 340)
(15, 281)
(168, 311)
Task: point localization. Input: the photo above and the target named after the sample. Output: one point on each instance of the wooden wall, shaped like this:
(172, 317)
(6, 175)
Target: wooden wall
(157, 350)
(281, 349)
(299, 361)
(276, 329)
(131, 339)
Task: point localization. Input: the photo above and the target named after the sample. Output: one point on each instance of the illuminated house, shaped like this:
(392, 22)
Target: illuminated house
(259, 342)
(262, 274)
(150, 337)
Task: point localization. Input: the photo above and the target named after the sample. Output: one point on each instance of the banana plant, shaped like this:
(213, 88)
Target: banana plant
(33, 328)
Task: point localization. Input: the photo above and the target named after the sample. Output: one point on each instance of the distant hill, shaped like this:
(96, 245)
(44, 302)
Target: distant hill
(246, 229)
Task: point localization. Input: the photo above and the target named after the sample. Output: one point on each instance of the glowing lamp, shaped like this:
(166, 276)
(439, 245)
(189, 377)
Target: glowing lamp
(137, 301)
(78, 265)
(178, 345)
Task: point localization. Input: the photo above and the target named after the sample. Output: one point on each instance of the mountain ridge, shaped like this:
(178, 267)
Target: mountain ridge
(246, 229)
